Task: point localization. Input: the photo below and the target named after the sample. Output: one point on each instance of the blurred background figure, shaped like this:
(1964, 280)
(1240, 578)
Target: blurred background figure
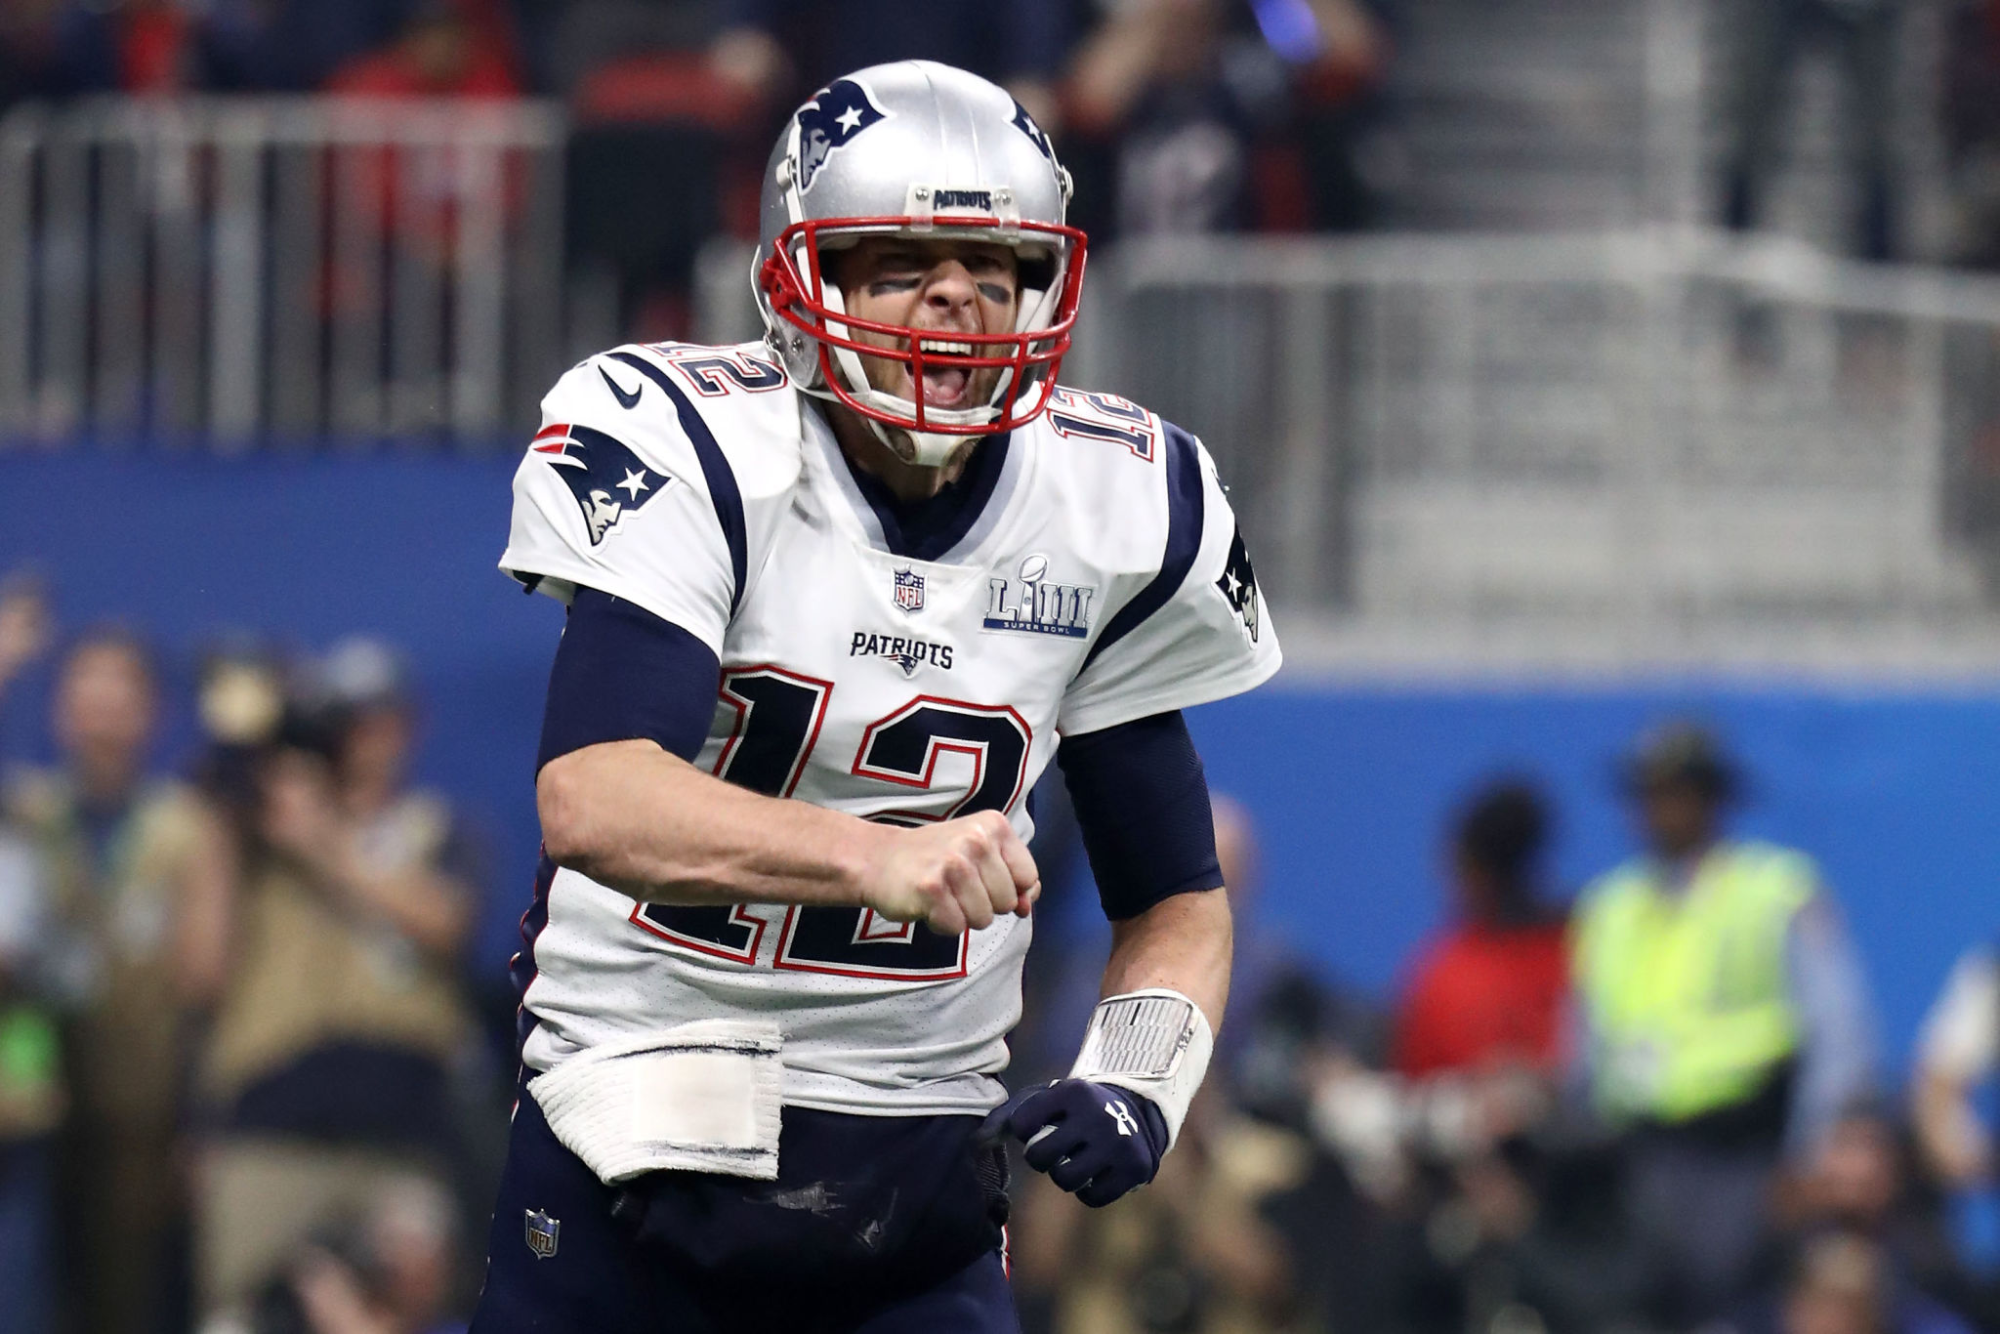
(445, 48)
(1487, 994)
(332, 1063)
(1840, 1282)
(1201, 116)
(389, 1267)
(1724, 1025)
(1769, 38)
(132, 955)
(1957, 1053)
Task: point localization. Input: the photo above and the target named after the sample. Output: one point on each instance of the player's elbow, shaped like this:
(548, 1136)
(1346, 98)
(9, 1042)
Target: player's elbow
(564, 802)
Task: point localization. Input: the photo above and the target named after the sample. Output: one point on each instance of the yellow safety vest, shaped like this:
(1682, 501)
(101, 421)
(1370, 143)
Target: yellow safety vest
(1686, 990)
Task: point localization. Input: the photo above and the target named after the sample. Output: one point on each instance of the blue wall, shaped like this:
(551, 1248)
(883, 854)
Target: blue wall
(1895, 790)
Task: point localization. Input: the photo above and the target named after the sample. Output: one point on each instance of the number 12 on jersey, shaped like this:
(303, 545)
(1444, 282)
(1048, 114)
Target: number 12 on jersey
(778, 718)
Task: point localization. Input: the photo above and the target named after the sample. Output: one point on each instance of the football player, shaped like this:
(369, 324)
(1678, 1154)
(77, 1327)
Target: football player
(835, 600)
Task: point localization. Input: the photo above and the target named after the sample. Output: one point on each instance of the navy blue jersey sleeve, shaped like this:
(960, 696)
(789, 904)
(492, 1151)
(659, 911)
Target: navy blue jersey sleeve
(622, 673)
(1142, 808)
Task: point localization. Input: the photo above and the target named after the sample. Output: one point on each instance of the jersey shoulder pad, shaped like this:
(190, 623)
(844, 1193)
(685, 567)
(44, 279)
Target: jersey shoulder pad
(736, 398)
(1185, 622)
(641, 482)
(1121, 471)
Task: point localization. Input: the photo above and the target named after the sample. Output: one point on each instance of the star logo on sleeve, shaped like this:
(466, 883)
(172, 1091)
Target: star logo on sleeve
(1238, 584)
(608, 480)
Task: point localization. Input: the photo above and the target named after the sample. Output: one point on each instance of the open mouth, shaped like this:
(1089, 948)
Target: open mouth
(946, 386)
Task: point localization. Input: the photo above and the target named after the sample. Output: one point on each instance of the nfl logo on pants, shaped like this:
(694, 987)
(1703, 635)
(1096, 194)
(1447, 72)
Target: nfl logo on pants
(542, 1233)
(909, 590)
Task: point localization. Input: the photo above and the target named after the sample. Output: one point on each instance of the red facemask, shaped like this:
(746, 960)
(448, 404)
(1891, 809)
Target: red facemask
(1033, 357)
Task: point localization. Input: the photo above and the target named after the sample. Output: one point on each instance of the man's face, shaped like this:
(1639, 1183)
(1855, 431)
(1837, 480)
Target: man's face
(1679, 818)
(934, 286)
(104, 706)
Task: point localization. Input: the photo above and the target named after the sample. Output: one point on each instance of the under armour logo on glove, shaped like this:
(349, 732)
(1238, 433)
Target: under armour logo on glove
(1094, 1140)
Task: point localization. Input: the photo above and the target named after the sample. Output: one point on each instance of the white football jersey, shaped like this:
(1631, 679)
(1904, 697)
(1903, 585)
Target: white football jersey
(1101, 581)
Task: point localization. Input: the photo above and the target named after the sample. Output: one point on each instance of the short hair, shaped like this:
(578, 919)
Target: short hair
(1681, 753)
(1502, 829)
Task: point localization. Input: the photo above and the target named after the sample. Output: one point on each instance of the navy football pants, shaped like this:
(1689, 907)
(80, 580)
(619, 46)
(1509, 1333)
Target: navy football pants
(876, 1225)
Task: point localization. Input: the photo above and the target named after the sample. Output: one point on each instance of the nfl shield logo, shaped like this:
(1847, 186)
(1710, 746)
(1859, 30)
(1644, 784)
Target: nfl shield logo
(542, 1233)
(909, 590)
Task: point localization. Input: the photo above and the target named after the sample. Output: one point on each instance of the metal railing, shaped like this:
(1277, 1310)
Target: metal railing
(231, 271)
(1650, 422)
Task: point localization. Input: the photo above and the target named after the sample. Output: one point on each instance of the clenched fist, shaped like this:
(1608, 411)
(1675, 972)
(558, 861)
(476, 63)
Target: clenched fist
(954, 876)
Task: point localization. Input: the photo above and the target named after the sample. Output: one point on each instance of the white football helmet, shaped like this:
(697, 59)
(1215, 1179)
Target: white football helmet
(923, 150)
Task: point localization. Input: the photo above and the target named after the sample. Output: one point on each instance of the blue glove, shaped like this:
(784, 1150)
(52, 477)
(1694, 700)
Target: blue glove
(1101, 1140)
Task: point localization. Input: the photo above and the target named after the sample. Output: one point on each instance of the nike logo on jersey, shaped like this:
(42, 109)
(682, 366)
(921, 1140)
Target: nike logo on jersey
(608, 480)
(1238, 584)
(1037, 604)
(627, 401)
(906, 652)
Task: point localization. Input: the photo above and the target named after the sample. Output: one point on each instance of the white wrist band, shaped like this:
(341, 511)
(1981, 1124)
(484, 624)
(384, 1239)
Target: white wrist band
(1155, 1043)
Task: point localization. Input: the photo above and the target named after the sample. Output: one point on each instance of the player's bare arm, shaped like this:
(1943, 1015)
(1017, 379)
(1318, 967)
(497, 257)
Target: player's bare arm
(630, 815)
(1180, 944)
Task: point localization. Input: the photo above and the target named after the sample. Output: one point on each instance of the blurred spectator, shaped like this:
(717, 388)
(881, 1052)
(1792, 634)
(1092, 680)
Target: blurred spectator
(780, 50)
(1725, 1023)
(387, 1270)
(332, 1059)
(1859, 1180)
(1488, 992)
(139, 887)
(1188, 98)
(31, 1101)
(293, 45)
(1768, 37)
(1152, 80)
(1841, 1282)
(445, 48)
(1957, 1052)
(666, 151)
(31, 1095)
(24, 625)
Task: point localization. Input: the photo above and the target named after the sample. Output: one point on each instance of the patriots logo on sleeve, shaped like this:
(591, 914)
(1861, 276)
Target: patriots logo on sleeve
(608, 480)
(840, 111)
(1238, 584)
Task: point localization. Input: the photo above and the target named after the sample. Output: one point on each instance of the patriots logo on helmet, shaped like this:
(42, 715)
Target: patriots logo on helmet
(608, 480)
(1026, 125)
(836, 114)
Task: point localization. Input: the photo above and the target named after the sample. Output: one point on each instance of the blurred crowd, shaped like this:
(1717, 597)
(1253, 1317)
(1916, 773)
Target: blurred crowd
(246, 1085)
(243, 1084)
(1175, 115)
(1658, 1104)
